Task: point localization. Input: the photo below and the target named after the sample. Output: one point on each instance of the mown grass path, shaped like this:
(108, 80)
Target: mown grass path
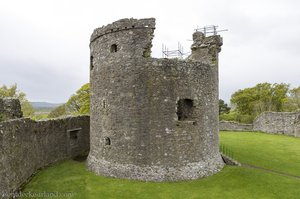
(271, 171)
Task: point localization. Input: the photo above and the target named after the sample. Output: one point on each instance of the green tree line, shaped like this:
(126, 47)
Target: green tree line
(78, 104)
(245, 104)
(13, 92)
(248, 103)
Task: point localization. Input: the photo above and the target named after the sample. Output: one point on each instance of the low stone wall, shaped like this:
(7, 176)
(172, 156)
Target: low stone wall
(27, 145)
(10, 108)
(287, 123)
(234, 126)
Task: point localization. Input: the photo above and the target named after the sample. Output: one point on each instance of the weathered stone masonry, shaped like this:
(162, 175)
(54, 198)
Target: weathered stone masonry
(152, 119)
(10, 109)
(287, 123)
(27, 145)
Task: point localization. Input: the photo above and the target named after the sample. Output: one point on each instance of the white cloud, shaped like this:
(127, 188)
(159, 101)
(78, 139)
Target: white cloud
(45, 44)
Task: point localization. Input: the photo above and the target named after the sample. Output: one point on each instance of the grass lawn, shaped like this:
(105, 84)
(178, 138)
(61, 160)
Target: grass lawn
(232, 182)
(276, 152)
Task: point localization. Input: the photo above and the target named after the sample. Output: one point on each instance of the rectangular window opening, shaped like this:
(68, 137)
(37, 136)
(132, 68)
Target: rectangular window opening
(74, 133)
(185, 109)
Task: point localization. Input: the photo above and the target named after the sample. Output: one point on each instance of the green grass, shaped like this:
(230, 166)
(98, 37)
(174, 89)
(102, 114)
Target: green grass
(276, 152)
(230, 183)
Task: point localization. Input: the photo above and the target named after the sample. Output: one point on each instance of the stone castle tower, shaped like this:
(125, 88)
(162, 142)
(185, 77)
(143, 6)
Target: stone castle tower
(152, 119)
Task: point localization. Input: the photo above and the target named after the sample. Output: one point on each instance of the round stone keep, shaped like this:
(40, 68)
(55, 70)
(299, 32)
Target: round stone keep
(151, 119)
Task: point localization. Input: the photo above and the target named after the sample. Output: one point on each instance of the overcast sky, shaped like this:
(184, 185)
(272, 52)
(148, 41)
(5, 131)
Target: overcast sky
(44, 45)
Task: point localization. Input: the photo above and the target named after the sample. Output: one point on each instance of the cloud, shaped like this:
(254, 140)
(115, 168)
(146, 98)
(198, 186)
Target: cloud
(45, 44)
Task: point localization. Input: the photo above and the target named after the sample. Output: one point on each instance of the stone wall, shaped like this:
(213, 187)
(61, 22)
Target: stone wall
(287, 123)
(152, 119)
(27, 145)
(10, 108)
(234, 126)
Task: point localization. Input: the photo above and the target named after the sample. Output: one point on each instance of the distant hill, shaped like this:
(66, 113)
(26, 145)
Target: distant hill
(44, 106)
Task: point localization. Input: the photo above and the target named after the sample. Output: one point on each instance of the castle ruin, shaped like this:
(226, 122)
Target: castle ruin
(27, 146)
(152, 119)
(286, 123)
(10, 108)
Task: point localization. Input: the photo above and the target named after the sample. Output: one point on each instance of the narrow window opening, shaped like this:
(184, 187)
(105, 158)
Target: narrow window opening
(91, 63)
(73, 134)
(185, 109)
(107, 141)
(113, 48)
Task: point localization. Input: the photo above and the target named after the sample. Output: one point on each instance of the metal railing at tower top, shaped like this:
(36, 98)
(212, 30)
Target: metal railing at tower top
(210, 30)
(178, 53)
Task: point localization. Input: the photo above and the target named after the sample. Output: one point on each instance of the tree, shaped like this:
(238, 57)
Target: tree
(223, 107)
(58, 111)
(251, 102)
(79, 103)
(293, 101)
(13, 92)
